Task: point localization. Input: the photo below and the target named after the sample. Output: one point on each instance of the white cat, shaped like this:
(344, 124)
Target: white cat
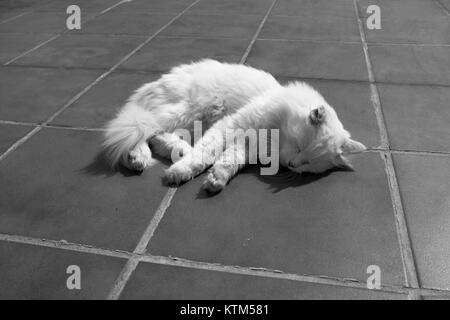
(225, 96)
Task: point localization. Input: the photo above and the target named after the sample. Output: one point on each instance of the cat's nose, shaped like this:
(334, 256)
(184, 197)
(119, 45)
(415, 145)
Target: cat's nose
(291, 164)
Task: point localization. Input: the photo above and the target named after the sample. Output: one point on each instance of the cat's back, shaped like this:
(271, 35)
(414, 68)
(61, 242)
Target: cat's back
(235, 84)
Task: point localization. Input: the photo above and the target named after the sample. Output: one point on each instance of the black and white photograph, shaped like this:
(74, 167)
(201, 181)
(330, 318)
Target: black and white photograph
(224, 154)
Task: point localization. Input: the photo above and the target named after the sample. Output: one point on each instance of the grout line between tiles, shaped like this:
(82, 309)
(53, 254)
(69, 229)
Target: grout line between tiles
(442, 7)
(258, 31)
(233, 269)
(305, 40)
(409, 266)
(77, 128)
(15, 17)
(32, 49)
(135, 258)
(19, 142)
(131, 265)
(345, 42)
(32, 10)
(143, 71)
(115, 5)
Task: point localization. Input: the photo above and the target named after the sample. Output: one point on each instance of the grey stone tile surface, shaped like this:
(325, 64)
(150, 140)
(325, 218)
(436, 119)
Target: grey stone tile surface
(258, 7)
(102, 102)
(136, 23)
(417, 117)
(56, 186)
(87, 51)
(41, 93)
(164, 53)
(411, 64)
(12, 45)
(31, 272)
(424, 183)
(308, 59)
(9, 134)
(311, 27)
(314, 224)
(151, 281)
(232, 26)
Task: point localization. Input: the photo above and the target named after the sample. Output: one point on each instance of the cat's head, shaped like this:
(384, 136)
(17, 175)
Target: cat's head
(323, 143)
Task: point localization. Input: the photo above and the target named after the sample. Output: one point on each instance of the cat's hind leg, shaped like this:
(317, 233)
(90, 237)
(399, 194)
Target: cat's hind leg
(225, 168)
(170, 146)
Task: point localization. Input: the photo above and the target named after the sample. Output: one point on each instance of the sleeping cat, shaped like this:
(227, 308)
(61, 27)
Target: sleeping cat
(225, 96)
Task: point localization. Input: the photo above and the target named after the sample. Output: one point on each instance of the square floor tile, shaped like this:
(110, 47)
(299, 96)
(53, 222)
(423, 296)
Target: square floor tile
(102, 102)
(154, 6)
(9, 134)
(401, 9)
(92, 51)
(150, 281)
(34, 94)
(118, 23)
(85, 5)
(36, 22)
(309, 60)
(407, 22)
(424, 184)
(33, 272)
(259, 7)
(314, 7)
(412, 30)
(411, 64)
(23, 5)
(161, 54)
(334, 224)
(55, 186)
(311, 27)
(351, 100)
(417, 117)
(12, 45)
(237, 26)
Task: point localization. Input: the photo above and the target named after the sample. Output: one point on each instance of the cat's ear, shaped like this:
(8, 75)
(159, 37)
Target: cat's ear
(352, 146)
(317, 115)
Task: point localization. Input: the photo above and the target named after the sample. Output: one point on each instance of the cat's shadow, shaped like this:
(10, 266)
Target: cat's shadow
(100, 166)
(280, 181)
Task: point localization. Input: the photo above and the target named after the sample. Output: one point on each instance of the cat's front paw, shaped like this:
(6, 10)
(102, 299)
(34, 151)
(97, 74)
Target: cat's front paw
(214, 183)
(177, 174)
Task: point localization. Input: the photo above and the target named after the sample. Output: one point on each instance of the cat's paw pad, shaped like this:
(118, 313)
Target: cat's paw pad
(177, 174)
(139, 158)
(213, 183)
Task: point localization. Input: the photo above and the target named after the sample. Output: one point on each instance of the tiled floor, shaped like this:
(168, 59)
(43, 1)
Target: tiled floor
(278, 237)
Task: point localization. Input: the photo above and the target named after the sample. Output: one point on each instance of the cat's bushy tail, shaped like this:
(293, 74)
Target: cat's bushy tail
(132, 126)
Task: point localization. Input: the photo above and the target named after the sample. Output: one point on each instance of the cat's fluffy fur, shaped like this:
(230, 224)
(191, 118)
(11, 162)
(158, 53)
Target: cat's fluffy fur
(222, 96)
